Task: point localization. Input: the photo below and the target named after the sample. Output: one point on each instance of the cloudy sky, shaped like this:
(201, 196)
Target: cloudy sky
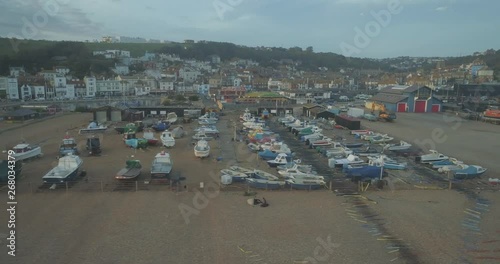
(420, 28)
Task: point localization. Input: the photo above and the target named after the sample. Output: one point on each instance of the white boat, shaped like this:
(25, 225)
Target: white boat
(458, 165)
(206, 122)
(360, 132)
(381, 139)
(259, 174)
(338, 151)
(386, 162)
(402, 145)
(253, 125)
(235, 175)
(253, 147)
(242, 170)
(433, 156)
(368, 137)
(26, 151)
(202, 149)
(208, 117)
(296, 174)
(442, 163)
(350, 160)
(167, 139)
(202, 136)
(67, 168)
(247, 116)
(207, 130)
(299, 167)
(93, 127)
(171, 117)
(161, 166)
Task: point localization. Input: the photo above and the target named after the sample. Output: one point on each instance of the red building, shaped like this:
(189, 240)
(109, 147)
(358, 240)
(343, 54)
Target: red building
(228, 94)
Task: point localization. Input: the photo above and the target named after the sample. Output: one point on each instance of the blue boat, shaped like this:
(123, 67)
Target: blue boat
(442, 163)
(368, 171)
(137, 143)
(161, 126)
(265, 184)
(269, 155)
(472, 171)
(281, 159)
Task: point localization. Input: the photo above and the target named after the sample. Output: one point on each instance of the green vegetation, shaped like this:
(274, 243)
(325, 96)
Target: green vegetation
(263, 95)
(180, 98)
(193, 98)
(36, 55)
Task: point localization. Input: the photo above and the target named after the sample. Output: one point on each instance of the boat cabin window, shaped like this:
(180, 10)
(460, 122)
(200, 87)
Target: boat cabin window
(21, 150)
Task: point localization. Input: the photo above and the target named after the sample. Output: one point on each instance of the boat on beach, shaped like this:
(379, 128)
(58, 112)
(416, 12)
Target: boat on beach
(161, 166)
(131, 171)
(431, 157)
(470, 172)
(68, 146)
(93, 127)
(260, 174)
(301, 184)
(25, 151)
(265, 184)
(171, 118)
(202, 149)
(67, 168)
(235, 175)
(402, 145)
(167, 139)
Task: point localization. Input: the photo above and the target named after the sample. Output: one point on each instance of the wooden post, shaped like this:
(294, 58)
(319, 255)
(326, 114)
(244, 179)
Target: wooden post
(102, 187)
(66, 186)
(449, 180)
(330, 185)
(136, 186)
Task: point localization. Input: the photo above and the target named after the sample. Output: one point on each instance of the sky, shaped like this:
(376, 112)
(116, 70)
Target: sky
(348, 27)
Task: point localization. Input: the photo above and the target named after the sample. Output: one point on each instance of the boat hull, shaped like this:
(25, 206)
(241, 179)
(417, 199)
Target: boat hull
(36, 152)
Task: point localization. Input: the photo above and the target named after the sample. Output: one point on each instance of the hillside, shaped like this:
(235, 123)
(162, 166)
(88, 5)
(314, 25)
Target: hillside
(35, 55)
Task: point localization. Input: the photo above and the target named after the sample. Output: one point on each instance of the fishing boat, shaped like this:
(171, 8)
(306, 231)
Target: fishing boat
(267, 154)
(387, 163)
(366, 152)
(303, 184)
(202, 136)
(265, 184)
(360, 132)
(402, 145)
(25, 151)
(431, 157)
(471, 171)
(93, 127)
(137, 143)
(331, 152)
(253, 147)
(68, 146)
(369, 136)
(281, 159)
(150, 137)
(161, 166)
(202, 149)
(260, 174)
(167, 139)
(161, 126)
(299, 167)
(178, 132)
(296, 174)
(209, 130)
(131, 171)
(206, 122)
(381, 139)
(246, 116)
(253, 125)
(458, 165)
(365, 171)
(67, 168)
(442, 163)
(492, 114)
(322, 142)
(235, 175)
(171, 118)
(339, 162)
(246, 171)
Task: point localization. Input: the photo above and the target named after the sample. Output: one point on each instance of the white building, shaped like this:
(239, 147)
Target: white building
(38, 91)
(70, 91)
(49, 75)
(90, 85)
(274, 84)
(237, 82)
(121, 69)
(61, 70)
(189, 75)
(108, 87)
(166, 85)
(60, 86)
(16, 71)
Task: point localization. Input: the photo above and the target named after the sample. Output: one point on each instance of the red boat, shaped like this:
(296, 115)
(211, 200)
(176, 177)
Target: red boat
(150, 136)
(492, 113)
